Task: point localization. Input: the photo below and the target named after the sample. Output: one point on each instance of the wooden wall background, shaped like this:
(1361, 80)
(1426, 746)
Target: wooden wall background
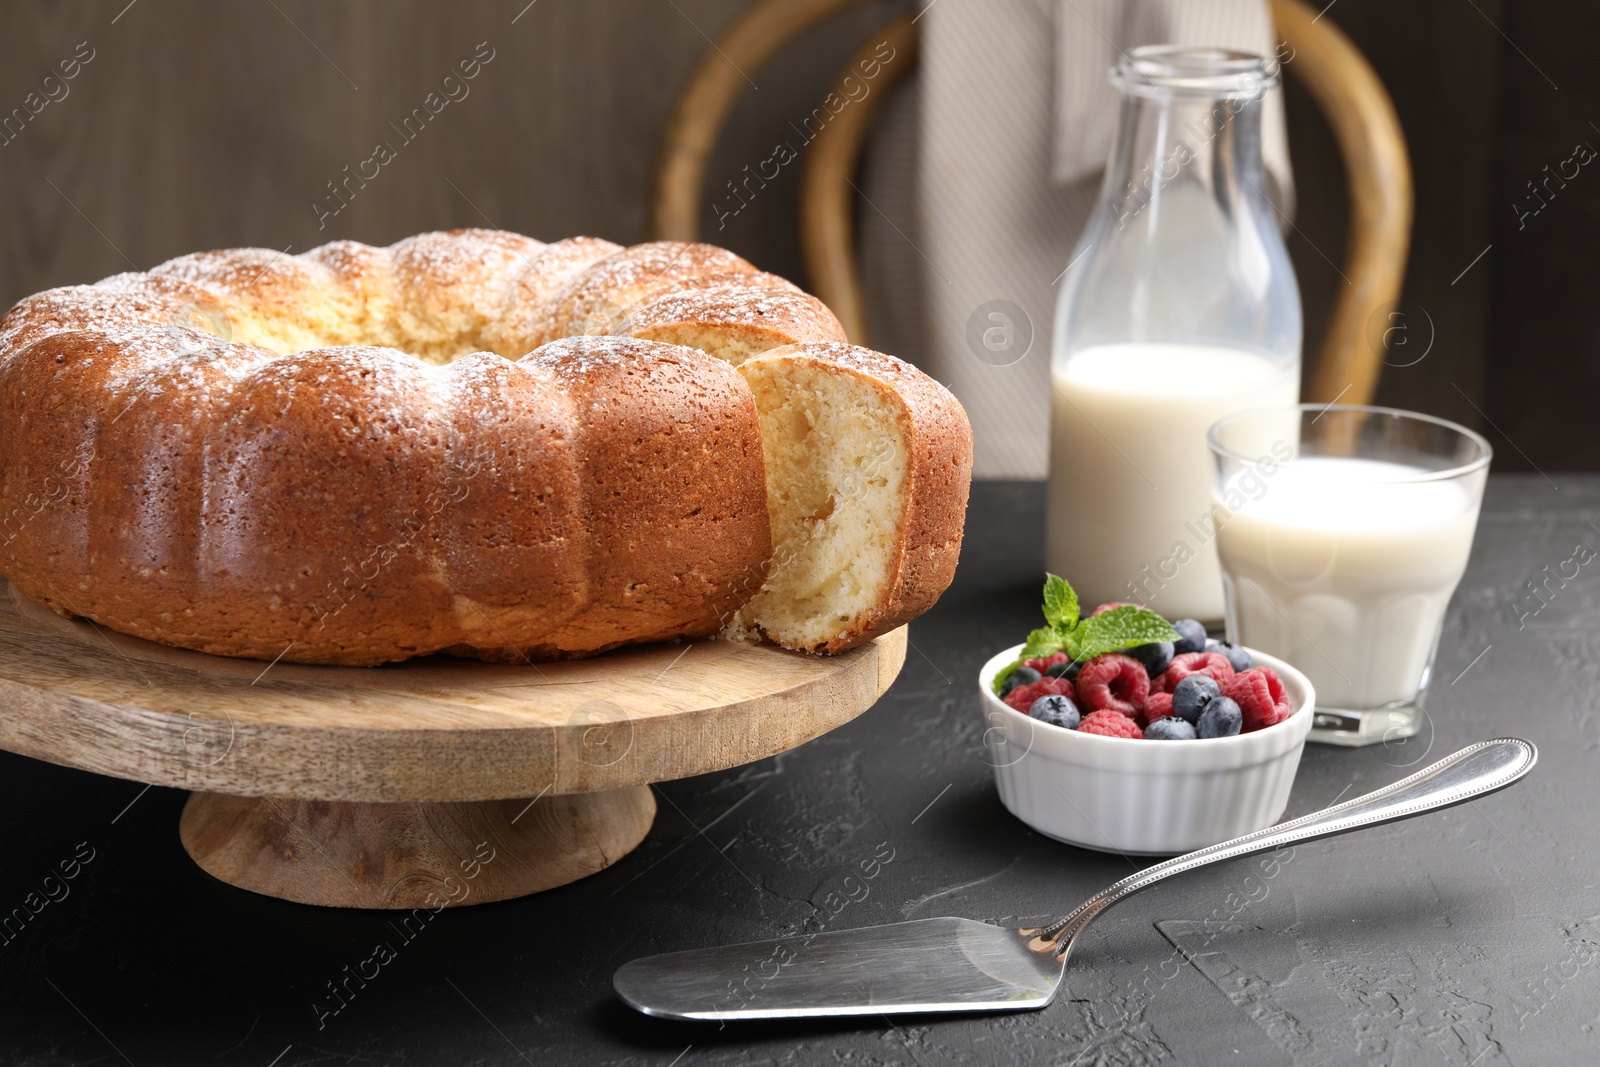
(203, 124)
(1543, 372)
(211, 124)
(1440, 61)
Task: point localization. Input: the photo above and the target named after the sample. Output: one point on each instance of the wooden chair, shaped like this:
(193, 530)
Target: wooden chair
(1333, 71)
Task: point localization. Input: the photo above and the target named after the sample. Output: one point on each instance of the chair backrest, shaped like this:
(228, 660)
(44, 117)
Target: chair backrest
(1328, 64)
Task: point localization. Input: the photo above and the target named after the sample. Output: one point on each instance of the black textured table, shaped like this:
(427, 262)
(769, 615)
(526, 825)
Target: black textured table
(1469, 937)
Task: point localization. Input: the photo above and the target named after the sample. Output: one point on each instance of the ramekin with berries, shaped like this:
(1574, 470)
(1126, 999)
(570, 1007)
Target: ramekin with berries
(1072, 712)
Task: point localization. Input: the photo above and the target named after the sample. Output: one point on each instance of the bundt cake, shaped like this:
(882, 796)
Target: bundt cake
(469, 442)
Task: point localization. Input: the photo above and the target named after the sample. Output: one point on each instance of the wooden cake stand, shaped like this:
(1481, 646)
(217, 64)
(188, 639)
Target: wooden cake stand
(434, 782)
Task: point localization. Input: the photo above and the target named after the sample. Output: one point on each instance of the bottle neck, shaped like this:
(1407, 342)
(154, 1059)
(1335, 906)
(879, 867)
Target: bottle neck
(1168, 143)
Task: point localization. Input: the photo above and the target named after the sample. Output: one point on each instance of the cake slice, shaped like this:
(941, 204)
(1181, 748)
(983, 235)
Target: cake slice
(868, 462)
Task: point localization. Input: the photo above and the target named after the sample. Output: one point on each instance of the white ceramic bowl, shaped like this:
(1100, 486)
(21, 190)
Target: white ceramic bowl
(1118, 794)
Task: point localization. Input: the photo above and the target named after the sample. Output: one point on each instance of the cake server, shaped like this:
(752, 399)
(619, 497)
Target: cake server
(961, 965)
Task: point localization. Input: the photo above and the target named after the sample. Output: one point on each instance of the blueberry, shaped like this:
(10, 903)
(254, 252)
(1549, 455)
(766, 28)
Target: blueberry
(1238, 658)
(1169, 729)
(1192, 695)
(1056, 710)
(1067, 670)
(1221, 718)
(1018, 677)
(1156, 658)
(1191, 636)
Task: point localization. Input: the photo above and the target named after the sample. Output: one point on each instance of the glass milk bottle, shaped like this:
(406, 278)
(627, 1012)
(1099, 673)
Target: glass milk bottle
(1180, 307)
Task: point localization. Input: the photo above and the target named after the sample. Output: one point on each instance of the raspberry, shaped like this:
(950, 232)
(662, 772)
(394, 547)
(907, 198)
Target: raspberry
(1041, 663)
(1213, 664)
(1156, 706)
(1109, 724)
(1023, 696)
(1260, 696)
(1108, 605)
(1113, 683)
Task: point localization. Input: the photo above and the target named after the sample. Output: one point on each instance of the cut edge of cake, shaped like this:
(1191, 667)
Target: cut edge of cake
(868, 465)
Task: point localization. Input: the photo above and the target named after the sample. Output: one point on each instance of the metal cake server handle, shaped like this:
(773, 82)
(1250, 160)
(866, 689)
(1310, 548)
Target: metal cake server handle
(959, 965)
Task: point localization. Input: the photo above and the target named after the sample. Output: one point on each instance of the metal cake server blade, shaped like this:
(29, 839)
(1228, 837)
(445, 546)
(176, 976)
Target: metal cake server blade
(961, 965)
(944, 964)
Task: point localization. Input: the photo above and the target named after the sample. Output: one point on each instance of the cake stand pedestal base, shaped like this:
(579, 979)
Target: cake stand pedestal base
(411, 855)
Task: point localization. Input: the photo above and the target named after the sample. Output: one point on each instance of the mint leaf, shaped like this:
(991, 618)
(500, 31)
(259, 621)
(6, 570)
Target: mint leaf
(1119, 628)
(1044, 641)
(1084, 639)
(1060, 603)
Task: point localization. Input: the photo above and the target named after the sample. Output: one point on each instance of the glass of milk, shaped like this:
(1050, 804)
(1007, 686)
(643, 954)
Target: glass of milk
(1342, 532)
(1178, 307)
